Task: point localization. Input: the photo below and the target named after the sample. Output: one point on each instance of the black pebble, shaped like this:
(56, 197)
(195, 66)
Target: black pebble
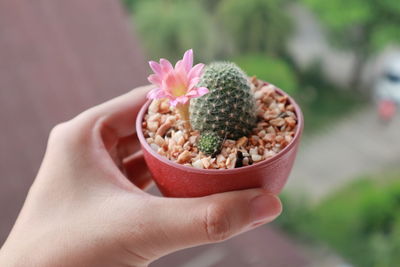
(239, 160)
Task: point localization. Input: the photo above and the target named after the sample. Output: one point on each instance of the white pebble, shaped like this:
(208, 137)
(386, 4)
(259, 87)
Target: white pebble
(258, 94)
(269, 153)
(155, 147)
(254, 151)
(220, 158)
(178, 136)
(153, 108)
(152, 125)
(155, 117)
(262, 133)
(193, 139)
(255, 157)
(206, 162)
(198, 164)
(159, 140)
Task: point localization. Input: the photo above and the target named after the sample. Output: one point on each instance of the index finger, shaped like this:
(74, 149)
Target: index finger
(119, 114)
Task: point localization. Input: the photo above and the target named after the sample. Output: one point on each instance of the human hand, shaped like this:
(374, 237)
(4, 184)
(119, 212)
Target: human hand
(87, 206)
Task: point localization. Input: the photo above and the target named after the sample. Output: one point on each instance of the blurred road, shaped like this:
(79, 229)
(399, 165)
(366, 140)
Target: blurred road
(358, 145)
(265, 246)
(309, 44)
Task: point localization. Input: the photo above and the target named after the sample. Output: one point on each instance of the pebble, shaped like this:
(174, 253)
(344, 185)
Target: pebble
(254, 151)
(242, 141)
(274, 131)
(277, 122)
(198, 164)
(184, 157)
(152, 125)
(153, 108)
(164, 128)
(154, 146)
(206, 162)
(256, 157)
(159, 140)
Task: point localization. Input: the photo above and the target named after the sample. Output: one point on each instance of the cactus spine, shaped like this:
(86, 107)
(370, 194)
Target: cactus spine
(229, 108)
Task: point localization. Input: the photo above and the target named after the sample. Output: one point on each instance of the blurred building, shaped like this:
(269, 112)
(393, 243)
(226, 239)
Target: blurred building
(309, 44)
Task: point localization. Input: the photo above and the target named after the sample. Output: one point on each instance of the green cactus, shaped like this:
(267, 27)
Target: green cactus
(210, 143)
(229, 108)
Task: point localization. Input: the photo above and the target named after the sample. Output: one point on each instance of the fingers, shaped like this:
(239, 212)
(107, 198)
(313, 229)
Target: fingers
(128, 145)
(190, 222)
(136, 171)
(120, 113)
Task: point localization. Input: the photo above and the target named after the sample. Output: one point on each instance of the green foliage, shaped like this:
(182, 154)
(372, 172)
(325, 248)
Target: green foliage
(355, 23)
(322, 102)
(229, 108)
(269, 69)
(168, 28)
(361, 222)
(255, 25)
(210, 143)
(210, 5)
(363, 26)
(130, 5)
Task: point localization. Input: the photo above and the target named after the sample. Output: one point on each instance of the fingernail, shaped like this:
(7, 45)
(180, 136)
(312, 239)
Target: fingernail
(264, 208)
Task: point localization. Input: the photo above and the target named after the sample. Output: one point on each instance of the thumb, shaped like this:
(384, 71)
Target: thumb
(189, 222)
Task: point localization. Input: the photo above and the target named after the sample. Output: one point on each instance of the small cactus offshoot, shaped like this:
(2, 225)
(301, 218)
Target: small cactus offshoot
(210, 143)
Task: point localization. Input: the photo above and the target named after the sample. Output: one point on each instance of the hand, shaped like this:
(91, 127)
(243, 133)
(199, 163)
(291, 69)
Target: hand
(87, 206)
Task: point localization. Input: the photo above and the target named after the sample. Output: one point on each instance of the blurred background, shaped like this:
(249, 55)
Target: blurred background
(339, 59)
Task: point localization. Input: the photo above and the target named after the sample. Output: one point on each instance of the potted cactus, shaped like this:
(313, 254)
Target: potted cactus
(211, 129)
(227, 111)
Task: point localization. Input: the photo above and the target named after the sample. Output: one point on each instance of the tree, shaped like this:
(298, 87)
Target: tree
(364, 26)
(169, 28)
(255, 25)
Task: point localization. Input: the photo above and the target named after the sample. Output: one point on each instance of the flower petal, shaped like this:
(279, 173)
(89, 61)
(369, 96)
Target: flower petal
(187, 60)
(155, 67)
(178, 64)
(170, 82)
(183, 99)
(196, 71)
(173, 102)
(156, 93)
(166, 66)
(177, 84)
(194, 82)
(154, 79)
(192, 93)
(197, 92)
(202, 91)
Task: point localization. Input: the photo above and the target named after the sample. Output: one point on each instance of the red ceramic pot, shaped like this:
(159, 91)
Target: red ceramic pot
(176, 180)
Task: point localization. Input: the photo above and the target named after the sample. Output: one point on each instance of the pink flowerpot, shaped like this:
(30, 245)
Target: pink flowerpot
(176, 180)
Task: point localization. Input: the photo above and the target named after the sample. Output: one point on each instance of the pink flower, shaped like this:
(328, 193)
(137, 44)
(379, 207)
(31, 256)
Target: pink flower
(178, 84)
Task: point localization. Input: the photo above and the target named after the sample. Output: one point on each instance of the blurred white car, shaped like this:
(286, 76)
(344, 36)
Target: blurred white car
(387, 90)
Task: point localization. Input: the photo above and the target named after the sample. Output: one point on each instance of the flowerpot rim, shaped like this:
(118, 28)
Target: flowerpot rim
(263, 163)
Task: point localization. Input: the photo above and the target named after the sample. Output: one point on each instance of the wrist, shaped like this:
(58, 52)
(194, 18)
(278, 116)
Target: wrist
(16, 255)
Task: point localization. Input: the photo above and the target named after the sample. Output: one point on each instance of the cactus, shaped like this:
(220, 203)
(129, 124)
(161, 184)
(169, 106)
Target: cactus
(229, 108)
(210, 143)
